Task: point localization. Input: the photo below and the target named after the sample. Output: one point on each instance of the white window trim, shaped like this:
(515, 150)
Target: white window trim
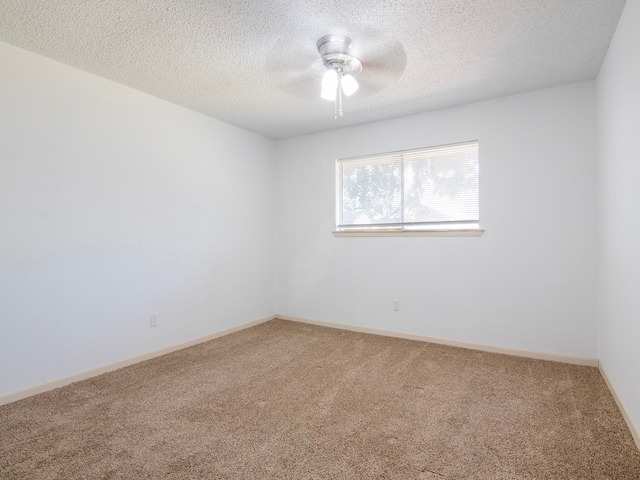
(473, 232)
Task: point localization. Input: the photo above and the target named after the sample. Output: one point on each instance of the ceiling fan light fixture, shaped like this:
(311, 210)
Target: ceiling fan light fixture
(349, 84)
(329, 85)
(341, 69)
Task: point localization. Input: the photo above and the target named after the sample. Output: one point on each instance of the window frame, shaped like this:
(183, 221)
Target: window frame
(436, 229)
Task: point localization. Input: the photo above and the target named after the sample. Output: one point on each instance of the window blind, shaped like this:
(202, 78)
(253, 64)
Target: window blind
(425, 188)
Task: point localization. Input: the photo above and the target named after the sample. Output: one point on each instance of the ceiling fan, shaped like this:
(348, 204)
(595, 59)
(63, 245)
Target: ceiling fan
(338, 66)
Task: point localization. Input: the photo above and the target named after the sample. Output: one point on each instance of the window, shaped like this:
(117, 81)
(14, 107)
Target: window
(430, 189)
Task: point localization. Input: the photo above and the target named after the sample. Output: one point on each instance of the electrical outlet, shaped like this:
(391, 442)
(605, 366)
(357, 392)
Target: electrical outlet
(396, 305)
(154, 320)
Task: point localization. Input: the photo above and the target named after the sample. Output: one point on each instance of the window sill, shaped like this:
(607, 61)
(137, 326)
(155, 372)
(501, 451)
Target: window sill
(474, 232)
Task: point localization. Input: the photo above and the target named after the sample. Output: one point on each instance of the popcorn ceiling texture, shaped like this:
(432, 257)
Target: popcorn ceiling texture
(248, 62)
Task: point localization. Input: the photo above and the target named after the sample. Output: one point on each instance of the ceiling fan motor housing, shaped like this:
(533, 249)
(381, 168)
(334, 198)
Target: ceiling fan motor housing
(334, 50)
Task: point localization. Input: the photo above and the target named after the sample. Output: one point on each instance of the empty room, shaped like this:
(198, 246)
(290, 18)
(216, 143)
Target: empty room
(319, 240)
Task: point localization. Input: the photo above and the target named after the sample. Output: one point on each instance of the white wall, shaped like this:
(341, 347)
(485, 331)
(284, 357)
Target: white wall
(114, 205)
(529, 283)
(618, 93)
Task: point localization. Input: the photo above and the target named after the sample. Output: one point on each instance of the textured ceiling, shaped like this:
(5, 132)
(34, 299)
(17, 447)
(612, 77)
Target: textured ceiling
(248, 62)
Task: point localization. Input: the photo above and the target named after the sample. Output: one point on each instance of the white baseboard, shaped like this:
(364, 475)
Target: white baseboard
(61, 382)
(635, 433)
(590, 362)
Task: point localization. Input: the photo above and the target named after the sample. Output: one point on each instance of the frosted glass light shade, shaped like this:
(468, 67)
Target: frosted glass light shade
(329, 84)
(349, 85)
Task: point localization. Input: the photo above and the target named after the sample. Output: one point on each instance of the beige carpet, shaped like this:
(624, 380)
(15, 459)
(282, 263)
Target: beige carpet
(288, 400)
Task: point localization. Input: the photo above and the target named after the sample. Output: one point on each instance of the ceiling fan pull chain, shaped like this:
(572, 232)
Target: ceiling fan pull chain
(339, 96)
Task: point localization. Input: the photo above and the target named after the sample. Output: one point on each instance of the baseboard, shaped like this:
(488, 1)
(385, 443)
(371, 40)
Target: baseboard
(61, 382)
(590, 362)
(635, 433)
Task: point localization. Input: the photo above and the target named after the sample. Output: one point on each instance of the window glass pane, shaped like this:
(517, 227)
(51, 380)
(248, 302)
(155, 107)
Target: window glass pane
(430, 188)
(371, 191)
(441, 184)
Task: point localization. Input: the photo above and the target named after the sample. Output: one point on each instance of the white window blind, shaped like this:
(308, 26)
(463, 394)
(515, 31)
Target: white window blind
(429, 188)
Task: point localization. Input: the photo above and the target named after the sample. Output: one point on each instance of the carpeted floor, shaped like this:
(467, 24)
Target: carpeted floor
(289, 400)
